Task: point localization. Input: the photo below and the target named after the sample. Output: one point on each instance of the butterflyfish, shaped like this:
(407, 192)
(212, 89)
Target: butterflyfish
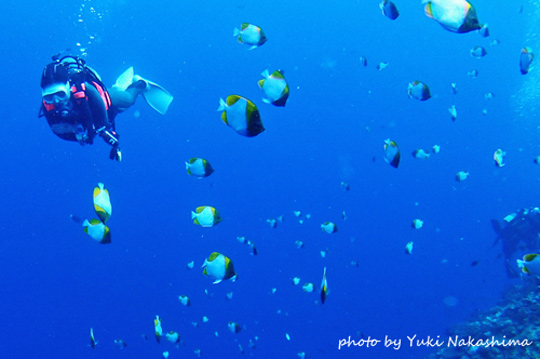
(97, 230)
(199, 167)
(250, 34)
(275, 87)
(241, 115)
(102, 203)
(454, 15)
(206, 216)
(219, 267)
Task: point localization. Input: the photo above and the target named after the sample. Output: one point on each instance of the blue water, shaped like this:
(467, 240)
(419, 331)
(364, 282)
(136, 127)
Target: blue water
(57, 283)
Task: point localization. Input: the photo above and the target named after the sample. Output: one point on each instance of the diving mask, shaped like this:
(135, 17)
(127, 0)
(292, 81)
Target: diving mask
(56, 93)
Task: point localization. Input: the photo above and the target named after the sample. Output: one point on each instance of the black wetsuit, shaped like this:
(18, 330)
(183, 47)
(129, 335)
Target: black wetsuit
(86, 115)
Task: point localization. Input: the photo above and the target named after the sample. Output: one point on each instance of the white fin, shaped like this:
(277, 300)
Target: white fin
(86, 223)
(193, 215)
(253, 47)
(236, 32)
(155, 95)
(265, 74)
(123, 81)
(217, 281)
(265, 100)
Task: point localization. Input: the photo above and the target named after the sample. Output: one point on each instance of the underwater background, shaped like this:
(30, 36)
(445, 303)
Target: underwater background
(57, 283)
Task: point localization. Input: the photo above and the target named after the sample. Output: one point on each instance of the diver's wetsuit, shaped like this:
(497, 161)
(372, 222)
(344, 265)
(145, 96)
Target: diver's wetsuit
(80, 119)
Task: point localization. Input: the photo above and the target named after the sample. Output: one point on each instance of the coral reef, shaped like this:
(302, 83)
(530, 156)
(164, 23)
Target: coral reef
(508, 330)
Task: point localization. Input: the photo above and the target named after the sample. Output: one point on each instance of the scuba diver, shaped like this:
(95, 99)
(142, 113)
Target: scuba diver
(519, 235)
(78, 107)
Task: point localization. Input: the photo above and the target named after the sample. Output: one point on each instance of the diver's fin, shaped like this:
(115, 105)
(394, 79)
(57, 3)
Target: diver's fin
(123, 81)
(157, 97)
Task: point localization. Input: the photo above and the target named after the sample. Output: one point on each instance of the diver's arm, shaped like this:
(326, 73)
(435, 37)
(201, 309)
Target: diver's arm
(101, 121)
(97, 107)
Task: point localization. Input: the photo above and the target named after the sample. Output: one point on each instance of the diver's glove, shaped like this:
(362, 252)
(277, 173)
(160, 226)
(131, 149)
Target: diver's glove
(115, 154)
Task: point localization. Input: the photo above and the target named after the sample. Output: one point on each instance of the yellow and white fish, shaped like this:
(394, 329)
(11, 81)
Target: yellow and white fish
(478, 52)
(453, 112)
(530, 264)
(199, 167)
(250, 34)
(97, 230)
(499, 156)
(173, 337)
(184, 299)
(417, 223)
(419, 91)
(93, 341)
(484, 30)
(102, 203)
(392, 153)
(324, 287)
(120, 343)
(453, 15)
(462, 176)
(241, 115)
(525, 60)
(158, 331)
(308, 287)
(205, 216)
(409, 247)
(329, 227)
(234, 327)
(389, 9)
(421, 154)
(272, 222)
(275, 87)
(219, 267)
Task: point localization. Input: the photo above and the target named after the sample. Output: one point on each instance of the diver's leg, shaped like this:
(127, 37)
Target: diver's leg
(122, 99)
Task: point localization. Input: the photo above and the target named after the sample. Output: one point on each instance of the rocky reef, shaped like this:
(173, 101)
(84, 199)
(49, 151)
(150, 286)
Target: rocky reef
(508, 330)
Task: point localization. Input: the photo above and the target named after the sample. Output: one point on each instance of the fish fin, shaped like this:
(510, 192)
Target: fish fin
(236, 32)
(265, 74)
(222, 104)
(265, 100)
(427, 10)
(260, 83)
(217, 281)
(253, 47)
(193, 215)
